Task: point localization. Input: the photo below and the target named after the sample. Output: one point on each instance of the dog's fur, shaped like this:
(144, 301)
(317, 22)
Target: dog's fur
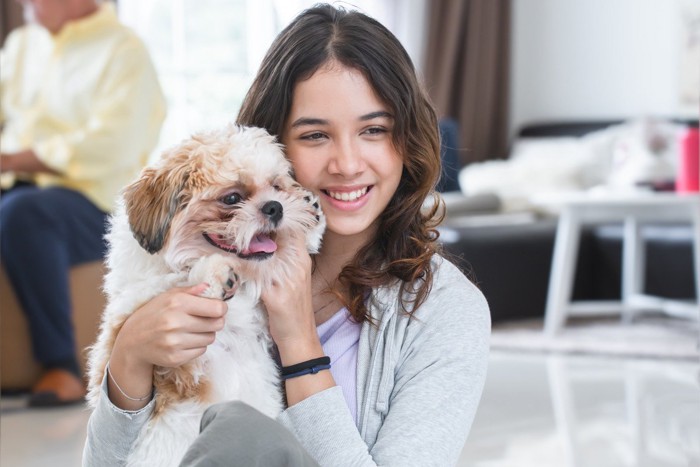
(235, 187)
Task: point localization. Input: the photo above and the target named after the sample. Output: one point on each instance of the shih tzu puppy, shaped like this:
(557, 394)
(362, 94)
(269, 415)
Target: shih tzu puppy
(221, 208)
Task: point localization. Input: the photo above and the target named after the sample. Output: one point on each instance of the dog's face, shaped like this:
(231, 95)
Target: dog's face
(229, 192)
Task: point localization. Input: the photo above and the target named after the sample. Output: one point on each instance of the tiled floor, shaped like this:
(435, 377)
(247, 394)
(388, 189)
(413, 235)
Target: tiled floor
(581, 411)
(537, 410)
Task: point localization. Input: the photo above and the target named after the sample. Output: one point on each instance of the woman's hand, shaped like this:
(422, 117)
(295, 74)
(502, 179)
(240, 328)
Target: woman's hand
(172, 329)
(290, 312)
(290, 309)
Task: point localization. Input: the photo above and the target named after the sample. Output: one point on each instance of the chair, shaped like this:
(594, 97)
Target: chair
(18, 369)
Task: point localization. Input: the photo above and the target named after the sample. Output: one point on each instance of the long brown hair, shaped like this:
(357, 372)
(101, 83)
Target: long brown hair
(406, 235)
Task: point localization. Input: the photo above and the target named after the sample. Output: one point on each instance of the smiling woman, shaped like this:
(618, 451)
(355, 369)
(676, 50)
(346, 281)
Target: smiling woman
(377, 324)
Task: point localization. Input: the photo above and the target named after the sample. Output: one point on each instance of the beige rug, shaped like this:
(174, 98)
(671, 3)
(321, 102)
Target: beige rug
(648, 336)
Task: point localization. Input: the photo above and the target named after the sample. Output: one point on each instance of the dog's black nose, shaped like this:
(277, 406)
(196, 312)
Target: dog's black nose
(273, 210)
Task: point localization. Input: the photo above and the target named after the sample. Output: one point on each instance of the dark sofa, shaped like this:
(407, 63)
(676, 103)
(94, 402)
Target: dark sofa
(511, 261)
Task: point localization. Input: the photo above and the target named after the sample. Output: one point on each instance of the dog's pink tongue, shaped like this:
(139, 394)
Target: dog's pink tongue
(261, 244)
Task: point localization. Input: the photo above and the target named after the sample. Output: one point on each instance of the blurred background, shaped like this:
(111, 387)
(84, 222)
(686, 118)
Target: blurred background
(493, 66)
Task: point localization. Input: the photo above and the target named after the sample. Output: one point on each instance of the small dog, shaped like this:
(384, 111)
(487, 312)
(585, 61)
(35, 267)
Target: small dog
(221, 208)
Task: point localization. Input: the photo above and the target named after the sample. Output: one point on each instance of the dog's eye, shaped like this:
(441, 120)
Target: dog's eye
(276, 187)
(231, 199)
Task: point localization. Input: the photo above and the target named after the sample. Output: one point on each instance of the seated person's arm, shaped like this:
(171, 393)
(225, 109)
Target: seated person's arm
(23, 161)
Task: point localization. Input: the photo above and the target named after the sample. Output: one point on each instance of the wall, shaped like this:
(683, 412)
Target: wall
(589, 59)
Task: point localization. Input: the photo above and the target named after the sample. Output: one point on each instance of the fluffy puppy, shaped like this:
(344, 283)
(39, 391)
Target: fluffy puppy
(221, 208)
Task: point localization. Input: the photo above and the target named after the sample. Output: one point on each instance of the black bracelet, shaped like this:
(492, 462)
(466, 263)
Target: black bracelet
(310, 365)
(309, 371)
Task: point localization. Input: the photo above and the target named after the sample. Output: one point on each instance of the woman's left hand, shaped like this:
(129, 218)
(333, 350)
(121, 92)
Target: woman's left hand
(290, 310)
(293, 326)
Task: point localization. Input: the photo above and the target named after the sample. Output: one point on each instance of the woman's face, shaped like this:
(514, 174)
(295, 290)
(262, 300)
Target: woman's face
(338, 137)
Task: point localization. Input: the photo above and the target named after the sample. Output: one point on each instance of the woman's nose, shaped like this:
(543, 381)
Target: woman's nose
(347, 160)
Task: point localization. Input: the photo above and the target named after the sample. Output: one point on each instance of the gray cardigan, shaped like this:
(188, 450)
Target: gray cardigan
(419, 381)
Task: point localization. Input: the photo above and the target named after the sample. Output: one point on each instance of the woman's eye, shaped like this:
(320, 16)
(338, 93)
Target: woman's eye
(375, 130)
(313, 136)
(231, 199)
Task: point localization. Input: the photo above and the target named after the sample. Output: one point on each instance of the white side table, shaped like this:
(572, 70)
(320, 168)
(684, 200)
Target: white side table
(633, 210)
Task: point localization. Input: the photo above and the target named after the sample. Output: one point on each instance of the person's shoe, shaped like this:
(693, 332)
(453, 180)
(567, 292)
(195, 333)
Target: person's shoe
(57, 388)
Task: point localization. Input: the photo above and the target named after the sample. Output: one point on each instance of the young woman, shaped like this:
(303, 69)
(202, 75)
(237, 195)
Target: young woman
(407, 333)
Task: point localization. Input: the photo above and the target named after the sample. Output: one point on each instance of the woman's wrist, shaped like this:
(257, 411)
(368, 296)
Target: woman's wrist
(130, 381)
(293, 351)
(112, 382)
(303, 386)
(307, 367)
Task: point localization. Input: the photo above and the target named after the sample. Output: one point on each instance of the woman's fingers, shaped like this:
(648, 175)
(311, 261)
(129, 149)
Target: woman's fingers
(198, 340)
(172, 327)
(196, 324)
(180, 356)
(185, 347)
(190, 320)
(189, 300)
(289, 302)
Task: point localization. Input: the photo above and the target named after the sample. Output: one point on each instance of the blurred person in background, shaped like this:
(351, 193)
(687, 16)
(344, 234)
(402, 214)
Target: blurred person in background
(81, 111)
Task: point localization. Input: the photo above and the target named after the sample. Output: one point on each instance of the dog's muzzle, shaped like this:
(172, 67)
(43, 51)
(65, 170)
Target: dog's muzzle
(262, 246)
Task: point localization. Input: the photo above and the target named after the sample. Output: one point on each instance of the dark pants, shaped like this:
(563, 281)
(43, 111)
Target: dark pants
(233, 434)
(43, 233)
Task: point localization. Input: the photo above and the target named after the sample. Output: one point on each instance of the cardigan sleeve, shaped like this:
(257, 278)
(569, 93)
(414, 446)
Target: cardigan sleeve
(112, 431)
(324, 426)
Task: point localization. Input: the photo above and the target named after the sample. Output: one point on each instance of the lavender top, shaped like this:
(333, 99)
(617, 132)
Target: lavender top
(339, 338)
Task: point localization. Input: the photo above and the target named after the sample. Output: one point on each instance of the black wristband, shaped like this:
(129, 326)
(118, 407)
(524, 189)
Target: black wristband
(307, 365)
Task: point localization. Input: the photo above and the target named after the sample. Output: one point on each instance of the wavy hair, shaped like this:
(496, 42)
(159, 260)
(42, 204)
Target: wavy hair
(406, 236)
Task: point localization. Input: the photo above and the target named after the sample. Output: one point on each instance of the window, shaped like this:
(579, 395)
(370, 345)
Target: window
(207, 51)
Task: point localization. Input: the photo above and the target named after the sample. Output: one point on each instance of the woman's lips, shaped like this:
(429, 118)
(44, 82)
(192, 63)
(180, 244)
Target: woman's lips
(345, 195)
(347, 199)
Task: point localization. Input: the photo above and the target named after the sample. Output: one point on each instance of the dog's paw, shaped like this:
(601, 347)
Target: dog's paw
(314, 205)
(317, 225)
(216, 271)
(223, 284)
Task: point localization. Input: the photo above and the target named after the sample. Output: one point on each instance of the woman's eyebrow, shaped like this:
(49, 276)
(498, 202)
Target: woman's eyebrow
(377, 114)
(310, 121)
(302, 121)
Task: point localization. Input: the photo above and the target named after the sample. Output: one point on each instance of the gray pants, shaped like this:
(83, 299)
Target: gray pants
(235, 434)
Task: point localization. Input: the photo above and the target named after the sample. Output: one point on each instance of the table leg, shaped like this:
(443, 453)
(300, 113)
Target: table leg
(633, 266)
(561, 276)
(696, 260)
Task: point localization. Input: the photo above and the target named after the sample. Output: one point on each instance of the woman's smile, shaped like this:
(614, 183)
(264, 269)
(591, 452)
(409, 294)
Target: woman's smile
(346, 199)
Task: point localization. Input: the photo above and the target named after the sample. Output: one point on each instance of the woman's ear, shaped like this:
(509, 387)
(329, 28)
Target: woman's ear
(153, 200)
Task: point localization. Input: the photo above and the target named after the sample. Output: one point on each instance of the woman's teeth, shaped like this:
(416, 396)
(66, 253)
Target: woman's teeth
(348, 195)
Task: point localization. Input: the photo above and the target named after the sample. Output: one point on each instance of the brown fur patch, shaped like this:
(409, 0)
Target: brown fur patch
(176, 385)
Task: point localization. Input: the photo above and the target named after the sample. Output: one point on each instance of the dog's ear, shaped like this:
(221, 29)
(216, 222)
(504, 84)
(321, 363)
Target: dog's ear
(153, 200)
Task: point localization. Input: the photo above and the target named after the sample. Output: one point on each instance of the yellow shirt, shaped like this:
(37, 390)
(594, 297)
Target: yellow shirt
(87, 101)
